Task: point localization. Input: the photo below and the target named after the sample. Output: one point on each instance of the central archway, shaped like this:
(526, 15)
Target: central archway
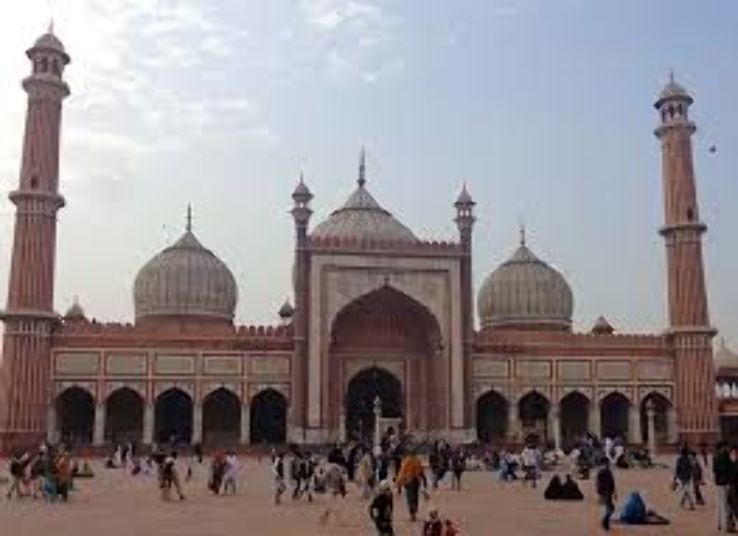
(75, 409)
(381, 326)
(173, 417)
(221, 418)
(362, 390)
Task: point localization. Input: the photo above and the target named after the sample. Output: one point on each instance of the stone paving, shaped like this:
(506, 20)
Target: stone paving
(115, 503)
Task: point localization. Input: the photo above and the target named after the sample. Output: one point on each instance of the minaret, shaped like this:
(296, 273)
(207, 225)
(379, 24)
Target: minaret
(29, 314)
(301, 213)
(689, 322)
(465, 219)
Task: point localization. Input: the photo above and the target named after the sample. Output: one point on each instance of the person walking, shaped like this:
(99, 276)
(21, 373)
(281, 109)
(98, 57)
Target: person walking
(278, 472)
(380, 509)
(231, 473)
(722, 471)
(684, 478)
(458, 466)
(18, 474)
(606, 492)
(411, 476)
(530, 458)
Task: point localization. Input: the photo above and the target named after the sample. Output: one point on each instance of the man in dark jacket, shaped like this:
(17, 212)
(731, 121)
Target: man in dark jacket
(606, 491)
(684, 478)
(722, 471)
(381, 509)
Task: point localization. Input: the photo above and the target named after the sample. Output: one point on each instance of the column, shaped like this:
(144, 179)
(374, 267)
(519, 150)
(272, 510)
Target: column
(651, 420)
(148, 424)
(245, 424)
(634, 426)
(595, 419)
(512, 422)
(377, 426)
(342, 428)
(51, 433)
(554, 423)
(98, 438)
(197, 423)
(671, 423)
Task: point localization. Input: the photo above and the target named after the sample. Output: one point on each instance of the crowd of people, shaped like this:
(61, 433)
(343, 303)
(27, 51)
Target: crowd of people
(402, 466)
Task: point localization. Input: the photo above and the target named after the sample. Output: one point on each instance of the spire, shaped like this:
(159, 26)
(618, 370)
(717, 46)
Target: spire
(362, 168)
(188, 226)
(51, 26)
(522, 234)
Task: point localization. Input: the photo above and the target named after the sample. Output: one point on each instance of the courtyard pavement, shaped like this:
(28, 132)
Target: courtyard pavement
(116, 503)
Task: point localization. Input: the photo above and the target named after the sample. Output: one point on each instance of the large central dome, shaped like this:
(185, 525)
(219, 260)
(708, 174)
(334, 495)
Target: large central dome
(185, 280)
(361, 217)
(525, 293)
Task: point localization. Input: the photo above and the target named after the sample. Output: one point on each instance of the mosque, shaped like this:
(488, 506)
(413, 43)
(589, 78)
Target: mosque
(376, 312)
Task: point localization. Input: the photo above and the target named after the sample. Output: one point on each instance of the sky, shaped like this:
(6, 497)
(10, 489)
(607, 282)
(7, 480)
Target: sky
(543, 107)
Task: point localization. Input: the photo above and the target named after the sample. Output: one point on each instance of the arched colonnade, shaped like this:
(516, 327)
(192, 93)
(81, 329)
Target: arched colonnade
(219, 418)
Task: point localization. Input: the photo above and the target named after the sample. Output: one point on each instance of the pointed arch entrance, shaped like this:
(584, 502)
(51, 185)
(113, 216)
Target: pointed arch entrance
(574, 414)
(221, 418)
(389, 329)
(124, 410)
(492, 412)
(268, 417)
(173, 417)
(533, 411)
(661, 406)
(362, 390)
(614, 416)
(75, 410)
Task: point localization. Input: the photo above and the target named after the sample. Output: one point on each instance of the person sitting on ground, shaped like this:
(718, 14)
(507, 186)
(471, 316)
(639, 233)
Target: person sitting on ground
(434, 525)
(554, 489)
(635, 512)
(570, 491)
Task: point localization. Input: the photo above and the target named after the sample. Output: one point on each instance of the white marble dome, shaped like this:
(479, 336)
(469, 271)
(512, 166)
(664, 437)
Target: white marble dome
(362, 218)
(525, 293)
(185, 280)
(724, 357)
(49, 41)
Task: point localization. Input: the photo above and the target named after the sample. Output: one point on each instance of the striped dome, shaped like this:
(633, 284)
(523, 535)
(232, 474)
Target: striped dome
(525, 293)
(185, 279)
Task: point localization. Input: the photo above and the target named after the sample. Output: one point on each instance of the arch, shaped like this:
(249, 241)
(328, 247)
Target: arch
(386, 317)
(221, 418)
(363, 388)
(268, 417)
(492, 417)
(615, 415)
(124, 414)
(414, 289)
(533, 409)
(75, 410)
(173, 416)
(661, 406)
(574, 416)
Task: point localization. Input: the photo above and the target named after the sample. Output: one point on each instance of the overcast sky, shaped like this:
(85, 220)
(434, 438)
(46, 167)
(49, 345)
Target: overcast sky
(544, 108)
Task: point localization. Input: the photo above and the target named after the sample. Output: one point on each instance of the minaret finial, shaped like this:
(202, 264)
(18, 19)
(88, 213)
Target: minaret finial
(671, 76)
(188, 227)
(362, 168)
(522, 233)
(51, 25)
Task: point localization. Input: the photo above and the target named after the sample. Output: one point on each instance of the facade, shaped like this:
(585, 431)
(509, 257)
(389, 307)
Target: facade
(377, 312)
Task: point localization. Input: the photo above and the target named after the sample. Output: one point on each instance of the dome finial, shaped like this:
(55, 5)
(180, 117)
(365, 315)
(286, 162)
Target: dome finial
(188, 226)
(362, 168)
(51, 26)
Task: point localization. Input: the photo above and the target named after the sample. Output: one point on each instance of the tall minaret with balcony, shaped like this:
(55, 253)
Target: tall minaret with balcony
(29, 314)
(689, 321)
(301, 213)
(464, 220)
